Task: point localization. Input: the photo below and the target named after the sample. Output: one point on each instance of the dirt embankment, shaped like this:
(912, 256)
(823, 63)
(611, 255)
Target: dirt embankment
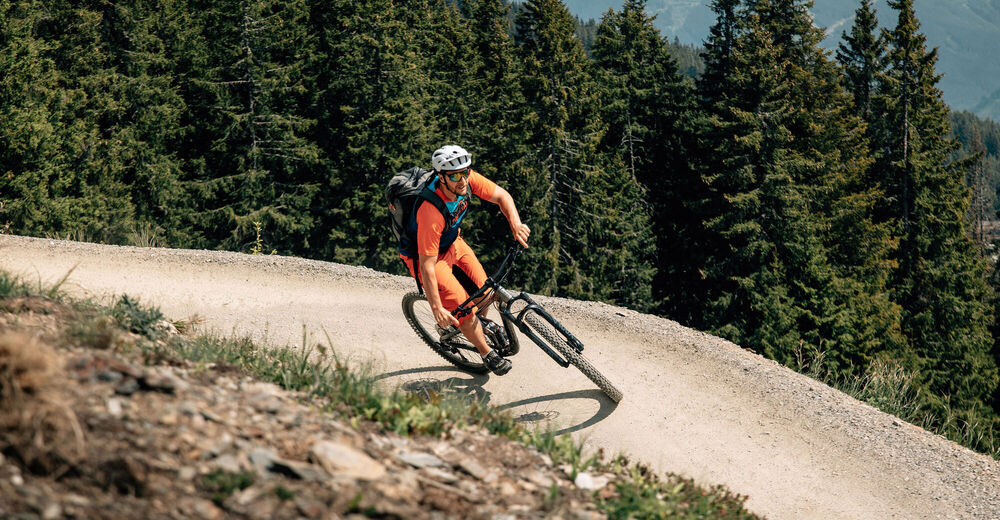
(89, 431)
(694, 404)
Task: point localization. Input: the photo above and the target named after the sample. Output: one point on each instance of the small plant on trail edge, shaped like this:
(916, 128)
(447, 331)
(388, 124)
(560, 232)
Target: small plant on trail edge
(11, 287)
(284, 494)
(144, 235)
(642, 494)
(552, 497)
(258, 244)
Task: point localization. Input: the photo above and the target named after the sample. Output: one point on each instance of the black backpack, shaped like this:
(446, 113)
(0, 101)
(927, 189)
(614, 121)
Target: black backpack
(403, 193)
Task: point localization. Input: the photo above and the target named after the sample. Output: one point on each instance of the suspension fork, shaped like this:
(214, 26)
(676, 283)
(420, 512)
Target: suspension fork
(507, 300)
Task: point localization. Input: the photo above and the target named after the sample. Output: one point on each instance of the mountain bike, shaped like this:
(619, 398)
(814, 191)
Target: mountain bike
(517, 312)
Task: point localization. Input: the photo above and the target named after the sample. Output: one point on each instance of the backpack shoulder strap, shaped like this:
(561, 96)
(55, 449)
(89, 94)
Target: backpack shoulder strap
(430, 196)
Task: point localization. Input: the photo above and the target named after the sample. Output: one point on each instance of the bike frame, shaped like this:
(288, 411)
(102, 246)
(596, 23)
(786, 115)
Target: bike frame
(506, 300)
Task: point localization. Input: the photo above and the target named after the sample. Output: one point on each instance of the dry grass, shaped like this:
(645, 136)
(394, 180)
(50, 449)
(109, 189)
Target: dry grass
(36, 425)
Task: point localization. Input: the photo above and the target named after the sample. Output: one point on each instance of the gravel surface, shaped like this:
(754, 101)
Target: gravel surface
(694, 404)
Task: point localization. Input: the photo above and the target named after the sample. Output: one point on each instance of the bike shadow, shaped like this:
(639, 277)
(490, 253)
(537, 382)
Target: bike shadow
(470, 386)
(606, 407)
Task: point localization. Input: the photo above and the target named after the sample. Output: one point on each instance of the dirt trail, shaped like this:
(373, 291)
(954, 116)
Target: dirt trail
(694, 404)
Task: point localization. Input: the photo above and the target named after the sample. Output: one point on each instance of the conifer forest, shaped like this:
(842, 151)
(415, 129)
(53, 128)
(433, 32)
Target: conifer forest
(815, 207)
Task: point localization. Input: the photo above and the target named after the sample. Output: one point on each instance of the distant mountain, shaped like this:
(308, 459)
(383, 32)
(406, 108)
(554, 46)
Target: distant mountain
(966, 33)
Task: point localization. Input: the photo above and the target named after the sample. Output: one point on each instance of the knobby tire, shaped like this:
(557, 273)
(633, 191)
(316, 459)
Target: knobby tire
(575, 358)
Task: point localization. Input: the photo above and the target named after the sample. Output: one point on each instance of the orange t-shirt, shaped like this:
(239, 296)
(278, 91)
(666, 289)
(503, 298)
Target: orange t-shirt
(430, 221)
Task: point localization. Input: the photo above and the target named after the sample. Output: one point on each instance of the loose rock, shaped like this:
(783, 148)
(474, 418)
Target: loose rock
(420, 460)
(346, 461)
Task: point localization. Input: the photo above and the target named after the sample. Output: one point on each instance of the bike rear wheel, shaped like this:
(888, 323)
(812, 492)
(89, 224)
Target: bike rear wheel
(448, 343)
(543, 329)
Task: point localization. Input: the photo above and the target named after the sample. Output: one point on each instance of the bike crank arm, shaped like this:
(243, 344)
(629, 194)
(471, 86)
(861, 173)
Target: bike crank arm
(445, 336)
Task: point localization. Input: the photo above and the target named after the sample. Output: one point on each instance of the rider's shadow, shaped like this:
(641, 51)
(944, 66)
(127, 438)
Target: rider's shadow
(469, 387)
(530, 411)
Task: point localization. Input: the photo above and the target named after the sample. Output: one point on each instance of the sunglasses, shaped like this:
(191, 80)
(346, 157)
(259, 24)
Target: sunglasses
(457, 175)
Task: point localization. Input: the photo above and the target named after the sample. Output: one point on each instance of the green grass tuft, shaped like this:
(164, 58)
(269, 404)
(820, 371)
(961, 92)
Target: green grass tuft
(137, 318)
(643, 495)
(283, 493)
(12, 287)
(890, 387)
(222, 484)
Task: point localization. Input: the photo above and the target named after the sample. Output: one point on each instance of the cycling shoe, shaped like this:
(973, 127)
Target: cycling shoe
(496, 364)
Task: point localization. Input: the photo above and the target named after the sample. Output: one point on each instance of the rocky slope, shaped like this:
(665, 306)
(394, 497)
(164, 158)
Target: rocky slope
(96, 434)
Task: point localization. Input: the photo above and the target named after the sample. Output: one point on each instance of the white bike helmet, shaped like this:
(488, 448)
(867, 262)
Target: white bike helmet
(451, 157)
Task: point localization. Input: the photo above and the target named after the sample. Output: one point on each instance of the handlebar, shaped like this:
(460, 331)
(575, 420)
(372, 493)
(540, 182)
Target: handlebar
(508, 263)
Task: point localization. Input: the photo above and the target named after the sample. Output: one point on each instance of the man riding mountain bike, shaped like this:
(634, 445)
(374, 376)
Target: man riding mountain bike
(443, 256)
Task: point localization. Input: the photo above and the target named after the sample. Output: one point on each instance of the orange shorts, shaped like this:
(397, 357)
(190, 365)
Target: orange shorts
(451, 290)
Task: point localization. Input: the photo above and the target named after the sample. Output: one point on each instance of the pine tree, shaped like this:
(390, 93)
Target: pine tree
(715, 132)
(30, 119)
(377, 118)
(145, 44)
(494, 84)
(94, 191)
(858, 321)
(978, 179)
(555, 69)
(577, 199)
(862, 54)
(80, 168)
(487, 83)
(940, 283)
(260, 166)
(622, 249)
(713, 84)
(750, 190)
(647, 109)
(796, 263)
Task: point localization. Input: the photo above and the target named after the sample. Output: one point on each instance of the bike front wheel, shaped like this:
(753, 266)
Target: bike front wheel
(448, 343)
(542, 328)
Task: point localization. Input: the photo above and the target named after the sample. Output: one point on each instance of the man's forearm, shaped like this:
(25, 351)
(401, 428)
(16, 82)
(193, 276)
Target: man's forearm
(509, 210)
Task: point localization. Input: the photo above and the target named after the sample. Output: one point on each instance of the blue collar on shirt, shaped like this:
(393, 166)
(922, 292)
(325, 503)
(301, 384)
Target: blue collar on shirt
(452, 205)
